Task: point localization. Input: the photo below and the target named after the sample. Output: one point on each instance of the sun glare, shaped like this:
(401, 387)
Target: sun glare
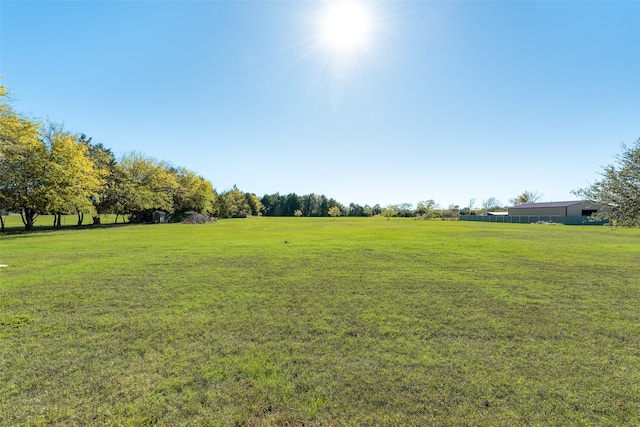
(345, 26)
(344, 39)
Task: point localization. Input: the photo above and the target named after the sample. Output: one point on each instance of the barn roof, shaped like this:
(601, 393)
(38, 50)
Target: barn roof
(547, 205)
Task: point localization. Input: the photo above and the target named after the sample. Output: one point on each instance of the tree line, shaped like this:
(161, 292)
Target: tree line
(46, 169)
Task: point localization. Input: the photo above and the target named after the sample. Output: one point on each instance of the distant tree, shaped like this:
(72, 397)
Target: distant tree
(233, 204)
(334, 211)
(322, 205)
(297, 213)
(372, 210)
(291, 204)
(390, 211)
(255, 206)
(619, 189)
(526, 197)
(356, 210)
(491, 204)
(453, 211)
(270, 205)
(331, 202)
(468, 209)
(427, 209)
(405, 209)
(307, 203)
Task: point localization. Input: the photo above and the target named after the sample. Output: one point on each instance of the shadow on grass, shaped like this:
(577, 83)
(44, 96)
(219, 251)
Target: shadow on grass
(13, 230)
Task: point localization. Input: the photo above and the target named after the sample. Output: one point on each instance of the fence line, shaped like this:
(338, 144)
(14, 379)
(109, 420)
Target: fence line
(529, 219)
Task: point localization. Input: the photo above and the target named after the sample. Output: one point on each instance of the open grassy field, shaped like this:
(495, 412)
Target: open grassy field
(343, 322)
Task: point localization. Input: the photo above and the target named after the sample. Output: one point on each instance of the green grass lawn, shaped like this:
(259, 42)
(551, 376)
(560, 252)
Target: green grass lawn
(284, 321)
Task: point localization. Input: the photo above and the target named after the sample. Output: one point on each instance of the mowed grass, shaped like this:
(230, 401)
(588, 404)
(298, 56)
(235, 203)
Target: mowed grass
(347, 322)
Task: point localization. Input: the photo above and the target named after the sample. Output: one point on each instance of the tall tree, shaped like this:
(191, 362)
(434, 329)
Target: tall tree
(468, 209)
(372, 210)
(323, 205)
(291, 204)
(255, 205)
(71, 178)
(427, 208)
(491, 204)
(334, 211)
(271, 205)
(145, 184)
(23, 164)
(526, 197)
(104, 162)
(193, 193)
(390, 211)
(233, 204)
(618, 192)
(453, 211)
(405, 209)
(356, 210)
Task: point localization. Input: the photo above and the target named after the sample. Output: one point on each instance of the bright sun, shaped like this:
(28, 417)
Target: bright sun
(346, 26)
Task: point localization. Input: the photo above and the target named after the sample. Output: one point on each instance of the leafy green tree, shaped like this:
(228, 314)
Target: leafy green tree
(43, 169)
(3, 92)
(427, 209)
(372, 210)
(526, 197)
(192, 193)
(322, 205)
(71, 179)
(233, 204)
(453, 211)
(291, 204)
(144, 184)
(356, 210)
(255, 206)
(618, 192)
(24, 163)
(405, 209)
(104, 162)
(272, 205)
(390, 211)
(307, 203)
(334, 211)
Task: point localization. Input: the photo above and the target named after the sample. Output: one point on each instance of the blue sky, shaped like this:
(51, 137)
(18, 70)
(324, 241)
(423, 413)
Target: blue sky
(448, 100)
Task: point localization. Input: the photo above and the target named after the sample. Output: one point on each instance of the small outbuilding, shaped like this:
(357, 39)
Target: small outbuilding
(159, 217)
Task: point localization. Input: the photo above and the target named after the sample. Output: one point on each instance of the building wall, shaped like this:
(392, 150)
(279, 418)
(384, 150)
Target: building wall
(552, 211)
(577, 209)
(571, 210)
